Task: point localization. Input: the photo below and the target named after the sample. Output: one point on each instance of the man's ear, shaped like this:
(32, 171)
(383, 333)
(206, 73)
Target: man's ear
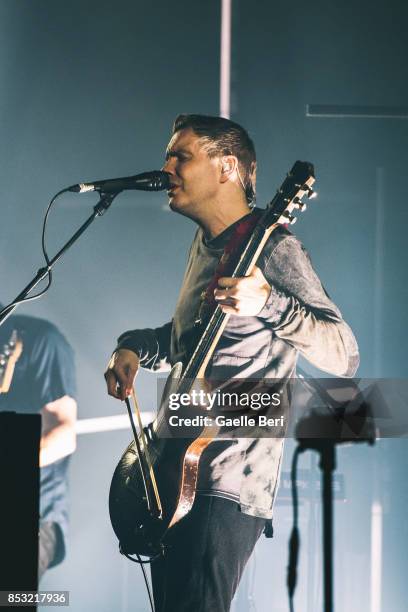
(252, 176)
(229, 164)
(253, 172)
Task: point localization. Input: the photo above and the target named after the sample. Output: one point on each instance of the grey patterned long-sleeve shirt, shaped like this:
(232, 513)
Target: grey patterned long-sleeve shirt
(298, 317)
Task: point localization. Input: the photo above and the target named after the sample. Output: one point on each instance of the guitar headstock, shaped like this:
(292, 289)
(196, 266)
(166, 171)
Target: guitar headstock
(9, 355)
(297, 184)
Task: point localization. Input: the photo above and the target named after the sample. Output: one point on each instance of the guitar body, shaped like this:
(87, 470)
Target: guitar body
(136, 529)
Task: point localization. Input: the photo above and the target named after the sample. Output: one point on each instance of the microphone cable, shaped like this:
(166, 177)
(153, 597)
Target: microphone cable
(47, 260)
(142, 564)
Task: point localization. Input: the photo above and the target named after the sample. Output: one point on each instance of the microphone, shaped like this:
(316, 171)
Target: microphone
(157, 180)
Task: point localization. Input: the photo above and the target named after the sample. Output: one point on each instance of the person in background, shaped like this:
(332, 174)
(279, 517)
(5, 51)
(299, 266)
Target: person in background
(44, 382)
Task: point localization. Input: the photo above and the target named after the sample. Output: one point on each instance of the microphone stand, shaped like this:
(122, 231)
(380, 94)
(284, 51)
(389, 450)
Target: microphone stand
(329, 428)
(327, 464)
(100, 208)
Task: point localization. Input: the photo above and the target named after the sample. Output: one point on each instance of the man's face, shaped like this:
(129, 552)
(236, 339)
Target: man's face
(194, 176)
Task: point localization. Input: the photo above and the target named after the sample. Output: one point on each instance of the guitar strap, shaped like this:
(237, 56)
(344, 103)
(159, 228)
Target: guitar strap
(227, 263)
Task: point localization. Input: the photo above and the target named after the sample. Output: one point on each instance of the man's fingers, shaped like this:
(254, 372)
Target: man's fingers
(112, 384)
(229, 309)
(228, 288)
(228, 281)
(120, 373)
(127, 380)
(119, 385)
(244, 296)
(226, 294)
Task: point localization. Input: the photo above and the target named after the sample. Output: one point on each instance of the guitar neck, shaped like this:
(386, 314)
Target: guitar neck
(216, 325)
(8, 359)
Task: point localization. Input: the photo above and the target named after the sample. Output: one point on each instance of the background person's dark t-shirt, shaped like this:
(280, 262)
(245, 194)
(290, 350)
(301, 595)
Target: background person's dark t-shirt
(44, 372)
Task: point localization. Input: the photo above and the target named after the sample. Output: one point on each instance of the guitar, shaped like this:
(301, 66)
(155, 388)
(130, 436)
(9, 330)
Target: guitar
(9, 356)
(139, 518)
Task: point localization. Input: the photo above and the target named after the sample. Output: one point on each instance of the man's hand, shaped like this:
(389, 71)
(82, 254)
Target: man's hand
(120, 373)
(244, 296)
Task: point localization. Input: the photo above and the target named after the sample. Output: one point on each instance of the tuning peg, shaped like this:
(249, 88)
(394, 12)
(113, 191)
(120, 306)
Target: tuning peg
(309, 192)
(299, 204)
(288, 218)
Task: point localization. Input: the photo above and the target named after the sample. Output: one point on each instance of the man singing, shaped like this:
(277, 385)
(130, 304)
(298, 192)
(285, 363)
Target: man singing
(278, 311)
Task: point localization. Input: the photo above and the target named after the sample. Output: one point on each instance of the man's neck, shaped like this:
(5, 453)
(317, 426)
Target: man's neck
(222, 218)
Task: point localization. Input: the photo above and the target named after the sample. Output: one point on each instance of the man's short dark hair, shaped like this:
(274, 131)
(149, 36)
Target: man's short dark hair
(222, 136)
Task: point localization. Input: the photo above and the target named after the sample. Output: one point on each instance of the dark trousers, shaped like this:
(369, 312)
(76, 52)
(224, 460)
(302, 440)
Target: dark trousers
(47, 546)
(205, 559)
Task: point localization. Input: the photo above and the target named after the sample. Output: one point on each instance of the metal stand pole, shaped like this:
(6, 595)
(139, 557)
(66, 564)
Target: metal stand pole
(327, 465)
(101, 207)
